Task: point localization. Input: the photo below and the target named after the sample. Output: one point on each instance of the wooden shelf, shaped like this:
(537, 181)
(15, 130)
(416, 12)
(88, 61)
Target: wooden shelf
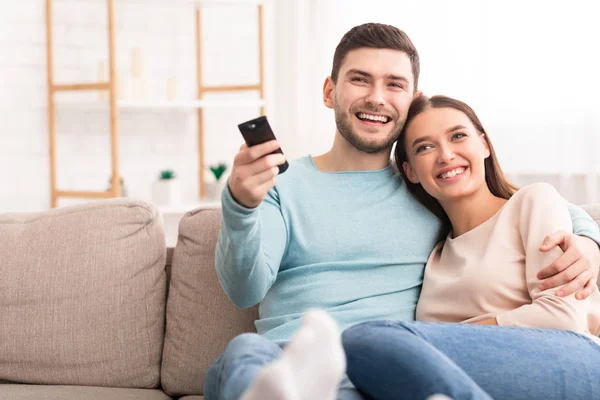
(79, 87)
(219, 3)
(85, 194)
(161, 105)
(113, 105)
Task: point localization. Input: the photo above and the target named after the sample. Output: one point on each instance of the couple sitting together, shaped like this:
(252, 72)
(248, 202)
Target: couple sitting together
(347, 249)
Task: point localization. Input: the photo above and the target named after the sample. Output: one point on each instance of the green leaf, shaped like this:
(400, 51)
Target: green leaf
(218, 170)
(167, 174)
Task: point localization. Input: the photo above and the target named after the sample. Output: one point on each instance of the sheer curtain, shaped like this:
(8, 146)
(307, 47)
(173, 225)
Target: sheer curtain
(528, 68)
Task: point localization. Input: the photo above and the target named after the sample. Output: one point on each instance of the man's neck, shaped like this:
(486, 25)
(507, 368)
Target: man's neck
(344, 157)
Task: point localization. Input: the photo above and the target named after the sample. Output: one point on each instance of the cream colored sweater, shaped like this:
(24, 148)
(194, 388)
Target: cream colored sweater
(491, 270)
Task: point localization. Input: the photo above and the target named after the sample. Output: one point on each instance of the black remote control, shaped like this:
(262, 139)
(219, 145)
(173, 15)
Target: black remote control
(257, 131)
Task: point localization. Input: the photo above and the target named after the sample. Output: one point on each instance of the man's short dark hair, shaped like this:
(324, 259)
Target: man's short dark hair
(375, 36)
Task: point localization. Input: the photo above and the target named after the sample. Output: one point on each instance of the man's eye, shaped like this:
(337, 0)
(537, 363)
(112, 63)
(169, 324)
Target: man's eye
(397, 85)
(358, 79)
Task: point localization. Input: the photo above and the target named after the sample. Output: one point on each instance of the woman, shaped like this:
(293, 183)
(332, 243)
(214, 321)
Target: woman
(483, 273)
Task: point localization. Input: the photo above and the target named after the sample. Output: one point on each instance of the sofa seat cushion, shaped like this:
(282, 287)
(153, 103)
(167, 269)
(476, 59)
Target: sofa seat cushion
(44, 392)
(83, 295)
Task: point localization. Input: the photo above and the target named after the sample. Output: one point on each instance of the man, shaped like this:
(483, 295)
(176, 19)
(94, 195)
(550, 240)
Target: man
(338, 232)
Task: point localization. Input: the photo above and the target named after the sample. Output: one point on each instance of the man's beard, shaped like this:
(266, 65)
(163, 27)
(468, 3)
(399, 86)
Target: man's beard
(344, 126)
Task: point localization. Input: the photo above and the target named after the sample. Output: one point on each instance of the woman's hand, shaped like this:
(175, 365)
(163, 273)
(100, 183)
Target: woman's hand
(578, 267)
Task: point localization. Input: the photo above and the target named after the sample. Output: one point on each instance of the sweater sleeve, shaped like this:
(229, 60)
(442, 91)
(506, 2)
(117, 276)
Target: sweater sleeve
(583, 224)
(543, 211)
(250, 248)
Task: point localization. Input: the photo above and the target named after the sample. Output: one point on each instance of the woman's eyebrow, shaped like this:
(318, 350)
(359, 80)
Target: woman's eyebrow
(455, 128)
(421, 139)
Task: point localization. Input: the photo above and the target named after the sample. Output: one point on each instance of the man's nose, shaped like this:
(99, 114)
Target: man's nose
(376, 97)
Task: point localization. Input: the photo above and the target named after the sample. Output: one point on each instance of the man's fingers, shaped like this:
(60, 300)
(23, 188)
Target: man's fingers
(569, 274)
(587, 291)
(252, 153)
(263, 177)
(564, 261)
(258, 185)
(243, 146)
(575, 285)
(261, 165)
(559, 238)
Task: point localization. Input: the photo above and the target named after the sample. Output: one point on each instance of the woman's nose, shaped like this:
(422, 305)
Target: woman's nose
(445, 155)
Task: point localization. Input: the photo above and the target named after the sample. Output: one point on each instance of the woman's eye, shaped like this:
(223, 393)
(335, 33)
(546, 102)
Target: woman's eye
(423, 147)
(459, 135)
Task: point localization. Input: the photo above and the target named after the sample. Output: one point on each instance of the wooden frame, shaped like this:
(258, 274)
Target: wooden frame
(110, 86)
(202, 89)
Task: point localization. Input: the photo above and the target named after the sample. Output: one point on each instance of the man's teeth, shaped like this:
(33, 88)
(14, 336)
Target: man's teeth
(452, 173)
(378, 118)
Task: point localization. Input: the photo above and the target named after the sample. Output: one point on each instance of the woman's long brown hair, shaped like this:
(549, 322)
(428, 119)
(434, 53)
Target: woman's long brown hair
(494, 177)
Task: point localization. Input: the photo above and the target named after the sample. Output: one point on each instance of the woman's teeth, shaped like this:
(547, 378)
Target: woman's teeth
(377, 118)
(454, 172)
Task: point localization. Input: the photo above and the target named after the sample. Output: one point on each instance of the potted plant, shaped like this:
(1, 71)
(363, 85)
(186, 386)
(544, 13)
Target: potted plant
(214, 188)
(166, 190)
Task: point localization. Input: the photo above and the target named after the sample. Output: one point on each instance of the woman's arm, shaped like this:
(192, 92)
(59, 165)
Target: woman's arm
(543, 211)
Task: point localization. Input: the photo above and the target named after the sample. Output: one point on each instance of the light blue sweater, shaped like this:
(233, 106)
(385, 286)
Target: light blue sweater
(353, 243)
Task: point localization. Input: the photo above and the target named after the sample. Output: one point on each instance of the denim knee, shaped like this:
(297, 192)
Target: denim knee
(243, 351)
(373, 333)
(250, 344)
(243, 342)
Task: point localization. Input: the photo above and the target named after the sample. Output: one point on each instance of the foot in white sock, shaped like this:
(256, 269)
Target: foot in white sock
(311, 365)
(274, 382)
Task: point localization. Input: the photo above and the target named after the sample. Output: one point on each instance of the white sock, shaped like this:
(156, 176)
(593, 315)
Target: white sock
(274, 382)
(311, 366)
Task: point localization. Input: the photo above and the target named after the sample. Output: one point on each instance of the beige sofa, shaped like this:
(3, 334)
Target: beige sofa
(94, 306)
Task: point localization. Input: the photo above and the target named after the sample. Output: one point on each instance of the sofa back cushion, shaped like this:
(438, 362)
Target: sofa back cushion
(82, 295)
(594, 211)
(200, 318)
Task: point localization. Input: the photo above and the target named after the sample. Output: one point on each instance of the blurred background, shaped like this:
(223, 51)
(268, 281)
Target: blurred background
(530, 69)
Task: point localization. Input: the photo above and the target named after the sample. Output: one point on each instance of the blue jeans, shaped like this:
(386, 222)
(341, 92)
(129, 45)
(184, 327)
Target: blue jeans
(234, 371)
(412, 360)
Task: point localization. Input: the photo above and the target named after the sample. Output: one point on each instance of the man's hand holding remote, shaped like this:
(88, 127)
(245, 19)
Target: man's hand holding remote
(253, 173)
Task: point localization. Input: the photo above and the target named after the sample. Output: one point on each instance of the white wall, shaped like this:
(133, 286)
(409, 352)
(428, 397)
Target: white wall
(528, 68)
(150, 140)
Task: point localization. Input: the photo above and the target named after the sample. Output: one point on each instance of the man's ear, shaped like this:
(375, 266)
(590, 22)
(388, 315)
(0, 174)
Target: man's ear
(328, 87)
(485, 145)
(418, 93)
(410, 174)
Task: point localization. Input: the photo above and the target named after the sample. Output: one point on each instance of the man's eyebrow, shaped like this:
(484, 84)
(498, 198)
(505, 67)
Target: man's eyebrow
(368, 75)
(359, 72)
(397, 78)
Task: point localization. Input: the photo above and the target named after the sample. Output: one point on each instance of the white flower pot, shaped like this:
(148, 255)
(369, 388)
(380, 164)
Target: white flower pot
(166, 192)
